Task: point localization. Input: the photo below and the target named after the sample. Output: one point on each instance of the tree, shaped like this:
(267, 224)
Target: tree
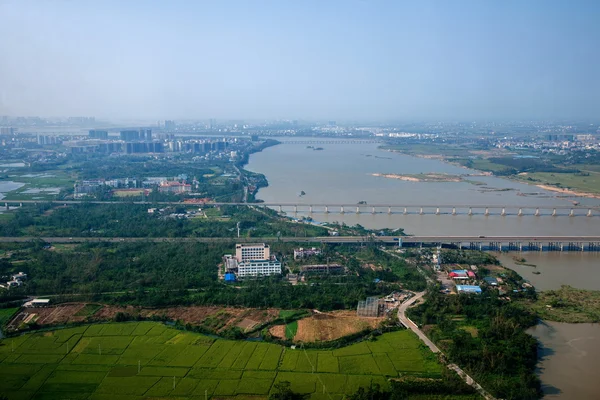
(283, 391)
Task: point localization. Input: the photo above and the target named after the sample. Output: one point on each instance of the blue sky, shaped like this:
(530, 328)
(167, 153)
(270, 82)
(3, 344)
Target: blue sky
(351, 59)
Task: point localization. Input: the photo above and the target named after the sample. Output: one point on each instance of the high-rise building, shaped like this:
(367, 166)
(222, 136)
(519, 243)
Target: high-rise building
(145, 134)
(9, 131)
(97, 134)
(169, 124)
(129, 135)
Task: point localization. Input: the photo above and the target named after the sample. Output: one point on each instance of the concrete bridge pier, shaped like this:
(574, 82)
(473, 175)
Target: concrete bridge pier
(357, 210)
(555, 246)
(421, 211)
(342, 210)
(593, 246)
(437, 211)
(310, 209)
(6, 205)
(503, 213)
(453, 210)
(514, 246)
(470, 211)
(571, 213)
(537, 212)
(589, 213)
(326, 209)
(497, 246)
(534, 246)
(21, 204)
(575, 246)
(280, 210)
(554, 212)
(487, 212)
(520, 213)
(390, 210)
(295, 209)
(405, 211)
(373, 210)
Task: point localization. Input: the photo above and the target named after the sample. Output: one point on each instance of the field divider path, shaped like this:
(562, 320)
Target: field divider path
(314, 368)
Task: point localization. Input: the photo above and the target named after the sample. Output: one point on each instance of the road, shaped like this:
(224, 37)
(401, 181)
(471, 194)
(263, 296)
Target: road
(320, 239)
(347, 206)
(404, 320)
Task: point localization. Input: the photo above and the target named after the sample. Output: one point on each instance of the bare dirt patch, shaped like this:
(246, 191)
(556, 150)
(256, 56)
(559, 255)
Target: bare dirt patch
(333, 325)
(278, 331)
(217, 318)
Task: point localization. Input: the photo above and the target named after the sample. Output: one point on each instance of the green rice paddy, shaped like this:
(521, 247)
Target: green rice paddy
(147, 360)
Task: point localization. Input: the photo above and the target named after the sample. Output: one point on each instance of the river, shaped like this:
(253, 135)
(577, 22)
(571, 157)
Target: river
(343, 174)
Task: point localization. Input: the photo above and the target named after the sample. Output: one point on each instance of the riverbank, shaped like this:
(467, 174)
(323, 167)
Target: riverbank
(567, 304)
(565, 191)
(514, 178)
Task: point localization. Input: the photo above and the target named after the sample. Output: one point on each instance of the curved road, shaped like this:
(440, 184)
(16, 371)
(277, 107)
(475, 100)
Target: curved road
(404, 320)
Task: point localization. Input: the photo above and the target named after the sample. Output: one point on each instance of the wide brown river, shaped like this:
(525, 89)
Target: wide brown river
(342, 173)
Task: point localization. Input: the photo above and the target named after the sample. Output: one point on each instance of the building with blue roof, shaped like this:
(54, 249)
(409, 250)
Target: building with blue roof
(468, 289)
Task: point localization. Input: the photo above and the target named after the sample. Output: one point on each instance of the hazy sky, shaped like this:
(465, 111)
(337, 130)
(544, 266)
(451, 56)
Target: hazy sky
(298, 59)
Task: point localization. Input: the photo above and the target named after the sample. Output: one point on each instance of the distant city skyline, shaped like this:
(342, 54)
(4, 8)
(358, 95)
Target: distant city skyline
(335, 60)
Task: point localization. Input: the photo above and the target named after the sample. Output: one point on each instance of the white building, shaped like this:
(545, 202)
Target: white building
(258, 268)
(255, 251)
(301, 253)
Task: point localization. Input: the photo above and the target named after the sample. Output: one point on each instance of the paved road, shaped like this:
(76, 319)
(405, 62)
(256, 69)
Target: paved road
(413, 327)
(321, 239)
(347, 206)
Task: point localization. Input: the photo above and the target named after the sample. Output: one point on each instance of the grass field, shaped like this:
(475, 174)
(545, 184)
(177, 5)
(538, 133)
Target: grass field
(6, 314)
(140, 360)
(291, 329)
(588, 184)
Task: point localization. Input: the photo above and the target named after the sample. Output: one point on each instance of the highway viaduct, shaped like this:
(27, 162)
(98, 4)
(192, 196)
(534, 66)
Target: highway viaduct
(379, 208)
(490, 243)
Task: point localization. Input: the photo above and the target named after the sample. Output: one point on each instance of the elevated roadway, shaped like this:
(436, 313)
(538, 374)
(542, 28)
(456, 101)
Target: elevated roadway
(496, 243)
(375, 208)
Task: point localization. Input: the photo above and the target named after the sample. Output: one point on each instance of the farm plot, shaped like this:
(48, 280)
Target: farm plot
(137, 360)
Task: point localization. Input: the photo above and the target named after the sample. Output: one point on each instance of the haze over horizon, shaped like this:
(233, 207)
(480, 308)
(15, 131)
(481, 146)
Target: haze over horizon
(300, 60)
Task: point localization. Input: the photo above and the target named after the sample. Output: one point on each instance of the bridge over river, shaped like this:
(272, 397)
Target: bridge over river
(380, 208)
(479, 242)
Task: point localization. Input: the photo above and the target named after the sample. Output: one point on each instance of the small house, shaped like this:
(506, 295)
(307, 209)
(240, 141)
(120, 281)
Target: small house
(490, 280)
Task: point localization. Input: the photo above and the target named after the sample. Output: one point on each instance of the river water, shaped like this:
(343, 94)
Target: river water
(343, 174)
